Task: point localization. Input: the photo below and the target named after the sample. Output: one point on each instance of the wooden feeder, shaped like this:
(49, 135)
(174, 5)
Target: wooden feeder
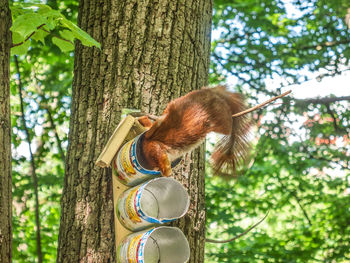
(127, 129)
(160, 200)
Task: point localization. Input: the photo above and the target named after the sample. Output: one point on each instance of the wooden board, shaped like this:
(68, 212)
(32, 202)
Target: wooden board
(115, 142)
(127, 129)
(120, 231)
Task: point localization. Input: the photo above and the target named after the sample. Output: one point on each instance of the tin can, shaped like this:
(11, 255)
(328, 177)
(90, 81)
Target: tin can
(157, 245)
(157, 201)
(131, 166)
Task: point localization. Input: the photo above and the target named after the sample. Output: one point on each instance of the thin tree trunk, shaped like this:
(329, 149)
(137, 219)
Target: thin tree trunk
(45, 105)
(54, 129)
(5, 136)
(32, 168)
(152, 52)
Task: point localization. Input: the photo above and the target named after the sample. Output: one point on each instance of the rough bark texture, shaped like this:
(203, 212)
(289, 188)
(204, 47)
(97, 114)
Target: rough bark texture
(152, 52)
(5, 136)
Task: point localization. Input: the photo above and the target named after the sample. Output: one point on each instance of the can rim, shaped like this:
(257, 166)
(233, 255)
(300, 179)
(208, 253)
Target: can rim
(145, 235)
(140, 156)
(159, 228)
(136, 153)
(162, 220)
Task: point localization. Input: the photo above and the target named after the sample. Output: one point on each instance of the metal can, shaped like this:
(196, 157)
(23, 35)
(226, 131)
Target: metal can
(157, 201)
(130, 165)
(157, 245)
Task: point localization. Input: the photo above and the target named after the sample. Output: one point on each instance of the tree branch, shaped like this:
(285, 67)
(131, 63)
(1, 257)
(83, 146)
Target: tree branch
(20, 43)
(58, 140)
(57, 36)
(344, 167)
(261, 105)
(51, 120)
(294, 194)
(325, 44)
(324, 100)
(301, 207)
(238, 236)
(334, 118)
(38, 28)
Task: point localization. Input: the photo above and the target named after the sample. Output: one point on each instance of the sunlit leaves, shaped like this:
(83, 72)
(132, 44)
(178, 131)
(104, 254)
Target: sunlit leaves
(262, 39)
(64, 45)
(300, 168)
(20, 49)
(79, 34)
(37, 21)
(27, 23)
(40, 36)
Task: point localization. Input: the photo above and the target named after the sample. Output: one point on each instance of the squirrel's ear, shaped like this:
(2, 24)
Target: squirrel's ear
(145, 121)
(154, 127)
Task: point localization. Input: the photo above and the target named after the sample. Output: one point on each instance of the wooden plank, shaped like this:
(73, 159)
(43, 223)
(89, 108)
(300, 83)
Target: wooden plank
(115, 142)
(127, 129)
(120, 231)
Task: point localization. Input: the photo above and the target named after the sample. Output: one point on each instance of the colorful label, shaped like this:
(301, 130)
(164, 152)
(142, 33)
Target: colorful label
(132, 248)
(125, 158)
(129, 170)
(146, 218)
(129, 210)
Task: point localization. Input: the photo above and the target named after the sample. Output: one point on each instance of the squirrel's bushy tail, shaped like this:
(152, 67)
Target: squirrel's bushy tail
(232, 150)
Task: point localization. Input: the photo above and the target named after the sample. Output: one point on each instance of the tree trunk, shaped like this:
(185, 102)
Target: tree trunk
(5, 136)
(152, 52)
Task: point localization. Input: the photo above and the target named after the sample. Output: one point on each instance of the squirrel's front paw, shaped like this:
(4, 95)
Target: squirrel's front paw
(165, 166)
(167, 172)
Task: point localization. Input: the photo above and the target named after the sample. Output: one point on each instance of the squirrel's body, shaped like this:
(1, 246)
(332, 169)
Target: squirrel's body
(187, 120)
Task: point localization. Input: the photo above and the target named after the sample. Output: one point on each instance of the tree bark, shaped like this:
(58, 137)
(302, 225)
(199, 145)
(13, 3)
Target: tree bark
(5, 136)
(151, 52)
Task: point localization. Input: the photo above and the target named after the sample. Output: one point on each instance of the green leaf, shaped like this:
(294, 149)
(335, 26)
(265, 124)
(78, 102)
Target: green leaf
(52, 16)
(65, 46)
(16, 11)
(17, 38)
(67, 34)
(84, 37)
(48, 12)
(30, 16)
(40, 36)
(27, 23)
(21, 49)
(44, 9)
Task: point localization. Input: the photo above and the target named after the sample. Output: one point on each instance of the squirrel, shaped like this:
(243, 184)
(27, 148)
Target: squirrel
(185, 123)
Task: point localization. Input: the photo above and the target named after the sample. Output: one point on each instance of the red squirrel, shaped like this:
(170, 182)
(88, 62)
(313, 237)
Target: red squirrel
(187, 120)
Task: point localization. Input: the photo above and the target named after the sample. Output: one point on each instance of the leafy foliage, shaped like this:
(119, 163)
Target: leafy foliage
(46, 75)
(300, 163)
(276, 38)
(37, 21)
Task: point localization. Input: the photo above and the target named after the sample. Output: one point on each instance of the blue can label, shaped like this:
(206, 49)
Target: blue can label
(129, 210)
(132, 248)
(128, 168)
